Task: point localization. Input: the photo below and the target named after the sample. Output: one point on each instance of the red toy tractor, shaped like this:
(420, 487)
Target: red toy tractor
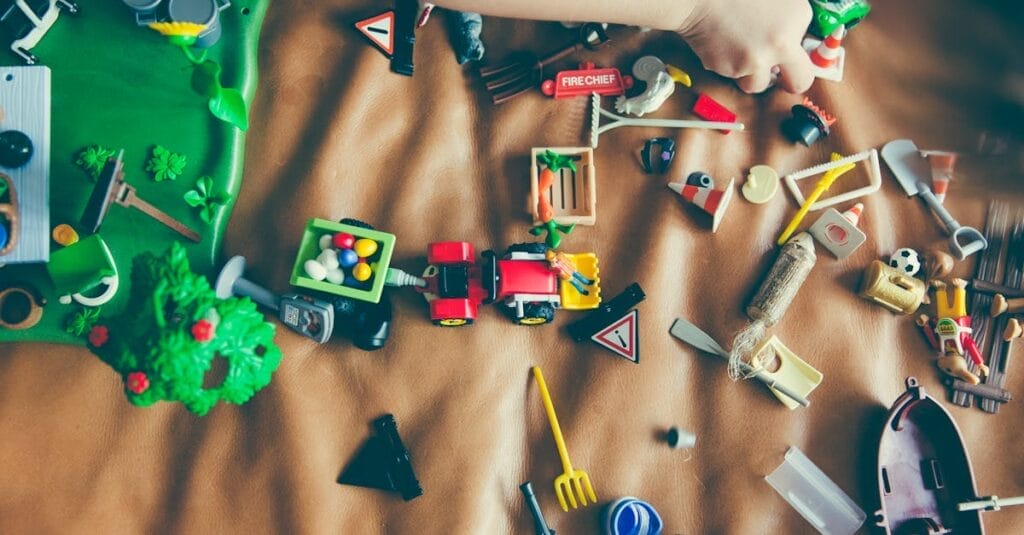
(522, 279)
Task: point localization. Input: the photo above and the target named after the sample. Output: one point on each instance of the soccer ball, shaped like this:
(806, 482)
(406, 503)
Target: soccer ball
(906, 260)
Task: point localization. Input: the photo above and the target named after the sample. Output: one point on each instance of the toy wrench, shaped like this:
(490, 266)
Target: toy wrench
(909, 168)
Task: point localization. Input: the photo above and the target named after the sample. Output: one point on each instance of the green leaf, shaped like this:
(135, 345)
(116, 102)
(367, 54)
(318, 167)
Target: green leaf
(165, 165)
(230, 107)
(91, 159)
(204, 185)
(193, 198)
(208, 212)
(206, 79)
(176, 163)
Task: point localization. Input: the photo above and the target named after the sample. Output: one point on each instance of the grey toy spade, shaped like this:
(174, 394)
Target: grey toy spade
(909, 169)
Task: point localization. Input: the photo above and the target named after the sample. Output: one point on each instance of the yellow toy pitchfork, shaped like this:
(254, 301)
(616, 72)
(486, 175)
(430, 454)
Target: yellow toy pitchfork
(572, 482)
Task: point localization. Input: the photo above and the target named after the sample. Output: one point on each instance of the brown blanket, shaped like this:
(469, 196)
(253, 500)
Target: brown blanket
(334, 134)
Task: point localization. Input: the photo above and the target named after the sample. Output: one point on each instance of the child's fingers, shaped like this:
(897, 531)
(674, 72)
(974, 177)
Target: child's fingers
(757, 82)
(796, 75)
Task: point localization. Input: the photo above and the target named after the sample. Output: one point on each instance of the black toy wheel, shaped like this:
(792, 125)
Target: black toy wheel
(367, 324)
(853, 23)
(532, 248)
(356, 223)
(68, 6)
(537, 314)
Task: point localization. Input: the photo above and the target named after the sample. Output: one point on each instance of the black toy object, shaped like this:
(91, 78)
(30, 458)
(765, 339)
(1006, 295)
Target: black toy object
(406, 12)
(608, 312)
(663, 156)
(15, 149)
(808, 123)
(383, 463)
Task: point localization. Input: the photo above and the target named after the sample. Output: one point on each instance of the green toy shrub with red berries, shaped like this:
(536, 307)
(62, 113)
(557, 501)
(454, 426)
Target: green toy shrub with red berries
(176, 341)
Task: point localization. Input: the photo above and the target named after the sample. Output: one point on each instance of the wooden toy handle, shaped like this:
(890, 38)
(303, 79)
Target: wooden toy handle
(130, 199)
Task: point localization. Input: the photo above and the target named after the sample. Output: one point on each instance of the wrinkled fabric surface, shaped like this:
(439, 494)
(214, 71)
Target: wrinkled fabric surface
(334, 134)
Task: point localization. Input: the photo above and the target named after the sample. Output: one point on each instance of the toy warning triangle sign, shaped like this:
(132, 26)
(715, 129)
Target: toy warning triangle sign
(622, 337)
(380, 30)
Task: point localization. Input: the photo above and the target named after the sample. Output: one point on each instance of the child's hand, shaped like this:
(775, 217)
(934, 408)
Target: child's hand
(752, 41)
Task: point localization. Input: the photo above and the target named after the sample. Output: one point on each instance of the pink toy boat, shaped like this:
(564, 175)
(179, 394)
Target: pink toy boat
(923, 470)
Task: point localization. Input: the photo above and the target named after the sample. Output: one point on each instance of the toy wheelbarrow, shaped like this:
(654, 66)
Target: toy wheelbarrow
(83, 268)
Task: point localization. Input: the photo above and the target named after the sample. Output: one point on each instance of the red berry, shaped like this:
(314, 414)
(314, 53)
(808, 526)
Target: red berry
(202, 331)
(136, 382)
(99, 335)
(343, 240)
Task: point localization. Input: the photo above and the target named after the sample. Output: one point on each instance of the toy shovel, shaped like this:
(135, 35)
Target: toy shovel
(111, 188)
(572, 482)
(909, 168)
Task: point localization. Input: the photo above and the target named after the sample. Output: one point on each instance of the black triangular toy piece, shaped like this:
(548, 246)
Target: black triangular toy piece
(607, 313)
(383, 463)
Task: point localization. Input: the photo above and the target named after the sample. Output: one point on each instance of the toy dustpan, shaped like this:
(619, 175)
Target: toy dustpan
(81, 268)
(793, 372)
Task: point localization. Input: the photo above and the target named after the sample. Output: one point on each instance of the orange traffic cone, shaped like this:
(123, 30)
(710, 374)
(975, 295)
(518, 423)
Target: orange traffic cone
(853, 214)
(942, 163)
(828, 56)
(712, 201)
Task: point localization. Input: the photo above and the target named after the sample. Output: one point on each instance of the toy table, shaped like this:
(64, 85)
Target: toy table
(335, 134)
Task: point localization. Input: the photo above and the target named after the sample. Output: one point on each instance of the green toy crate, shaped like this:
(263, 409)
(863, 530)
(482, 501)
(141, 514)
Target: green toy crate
(309, 248)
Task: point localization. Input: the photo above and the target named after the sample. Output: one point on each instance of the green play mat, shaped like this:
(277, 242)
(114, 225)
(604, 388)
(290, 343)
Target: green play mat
(123, 86)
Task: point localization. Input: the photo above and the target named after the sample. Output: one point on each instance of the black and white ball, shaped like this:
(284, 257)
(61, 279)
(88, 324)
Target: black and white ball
(906, 260)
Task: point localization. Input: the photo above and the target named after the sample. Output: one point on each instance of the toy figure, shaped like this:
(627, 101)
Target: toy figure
(950, 333)
(566, 271)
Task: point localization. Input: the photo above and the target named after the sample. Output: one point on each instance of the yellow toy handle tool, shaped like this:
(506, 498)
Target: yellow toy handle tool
(553, 419)
(820, 188)
(678, 75)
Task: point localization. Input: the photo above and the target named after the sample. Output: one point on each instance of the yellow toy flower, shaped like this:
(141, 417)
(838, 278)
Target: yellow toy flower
(178, 29)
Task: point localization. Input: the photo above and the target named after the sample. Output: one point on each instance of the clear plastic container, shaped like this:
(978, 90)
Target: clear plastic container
(820, 501)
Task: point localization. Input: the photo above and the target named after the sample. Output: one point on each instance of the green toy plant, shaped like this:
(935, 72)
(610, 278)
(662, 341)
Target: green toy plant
(225, 103)
(206, 198)
(176, 341)
(92, 159)
(165, 165)
(83, 321)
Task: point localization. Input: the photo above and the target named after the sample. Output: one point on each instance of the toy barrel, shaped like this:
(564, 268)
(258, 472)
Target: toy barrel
(893, 290)
(201, 12)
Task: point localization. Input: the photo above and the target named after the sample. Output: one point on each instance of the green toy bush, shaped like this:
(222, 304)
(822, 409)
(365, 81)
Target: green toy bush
(177, 341)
